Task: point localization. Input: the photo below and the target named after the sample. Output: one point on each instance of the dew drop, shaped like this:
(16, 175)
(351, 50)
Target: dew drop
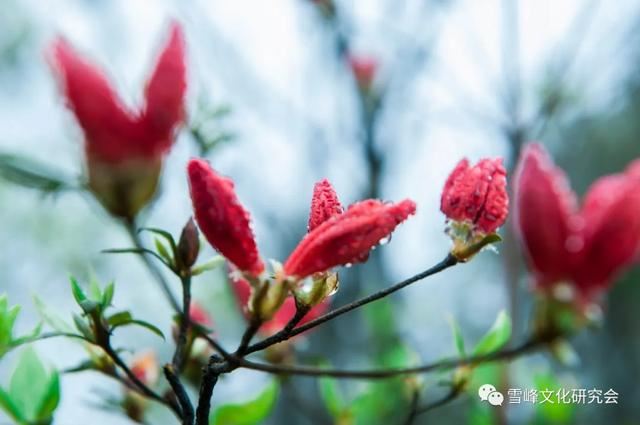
(348, 265)
(385, 240)
(574, 243)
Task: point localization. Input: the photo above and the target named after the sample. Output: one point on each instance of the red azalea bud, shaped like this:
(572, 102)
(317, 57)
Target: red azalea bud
(221, 217)
(199, 315)
(124, 148)
(188, 245)
(324, 204)
(145, 367)
(347, 238)
(364, 70)
(547, 217)
(477, 195)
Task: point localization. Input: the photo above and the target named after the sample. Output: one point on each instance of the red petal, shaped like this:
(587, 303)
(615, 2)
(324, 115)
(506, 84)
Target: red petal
(165, 92)
(324, 204)
(199, 315)
(347, 238)
(107, 125)
(221, 218)
(611, 213)
(546, 216)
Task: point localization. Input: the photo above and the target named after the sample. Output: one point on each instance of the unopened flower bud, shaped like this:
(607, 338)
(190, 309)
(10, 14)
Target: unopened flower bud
(188, 245)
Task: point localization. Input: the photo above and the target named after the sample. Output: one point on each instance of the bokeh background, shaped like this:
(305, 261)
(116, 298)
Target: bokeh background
(270, 86)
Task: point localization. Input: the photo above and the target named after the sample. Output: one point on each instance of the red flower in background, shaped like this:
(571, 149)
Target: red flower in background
(347, 238)
(124, 148)
(114, 133)
(364, 69)
(145, 367)
(477, 195)
(587, 247)
(198, 315)
(221, 218)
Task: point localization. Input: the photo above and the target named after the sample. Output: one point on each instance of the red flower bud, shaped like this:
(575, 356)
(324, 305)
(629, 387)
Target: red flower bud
(364, 69)
(124, 148)
(347, 238)
(324, 204)
(477, 195)
(145, 367)
(547, 216)
(199, 315)
(221, 218)
(242, 291)
(587, 247)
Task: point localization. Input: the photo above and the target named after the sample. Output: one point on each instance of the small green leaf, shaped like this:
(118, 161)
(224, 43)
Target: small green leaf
(497, 336)
(89, 306)
(163, 233)
(95, 294)
(50, 318)
(250, 413)
(162, 251)
(212, 264)
(29, 385)
(142, 323)
(552, 413)
(77, 291)
(83, 327)
(331, 396)
(50, 399)
(107, 295)
(457, 337)
(120, 318)
(9, 407)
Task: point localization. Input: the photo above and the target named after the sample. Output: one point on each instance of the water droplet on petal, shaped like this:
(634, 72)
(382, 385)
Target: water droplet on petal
(574, 243)
(385, 240)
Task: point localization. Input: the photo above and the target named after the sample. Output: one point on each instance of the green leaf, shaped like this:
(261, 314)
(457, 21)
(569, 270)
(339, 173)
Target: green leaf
(51, 397)
(162, 251)
(147, 325)
(120, 318)
(331, 396)
(89, 306)
(7, 320)
(497, 336)
(107, 295)
(552, 413)
(30, 385)
(250, 413)
(212, 264)
(83, 327)
(9, 407)
(50, 318)
(77, 291)
(458, 339)
(163, 233)
(28, 173)
(95, 294)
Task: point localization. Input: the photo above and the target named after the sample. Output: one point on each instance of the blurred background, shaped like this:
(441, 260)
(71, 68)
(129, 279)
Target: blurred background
(382, 98)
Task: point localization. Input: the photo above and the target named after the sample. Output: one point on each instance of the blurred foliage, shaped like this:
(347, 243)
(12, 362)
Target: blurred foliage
(33, 393)
(251, 412)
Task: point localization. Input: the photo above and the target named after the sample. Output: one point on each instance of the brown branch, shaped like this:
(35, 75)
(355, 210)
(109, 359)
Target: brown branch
(181, 394)
(286, 334)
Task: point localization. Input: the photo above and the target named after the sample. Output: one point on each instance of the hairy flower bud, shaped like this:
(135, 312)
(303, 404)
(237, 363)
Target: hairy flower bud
(124, 148)
(221, 218)
(347, 238)
(324, 204)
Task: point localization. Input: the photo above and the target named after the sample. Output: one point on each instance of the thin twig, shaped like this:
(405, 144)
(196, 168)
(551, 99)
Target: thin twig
(249, 333)
(285, 335)
(453, 393)
(507, 354)
(157, 274)
(185, 324)
(181, 394)
(413, 407)
(145, 390)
